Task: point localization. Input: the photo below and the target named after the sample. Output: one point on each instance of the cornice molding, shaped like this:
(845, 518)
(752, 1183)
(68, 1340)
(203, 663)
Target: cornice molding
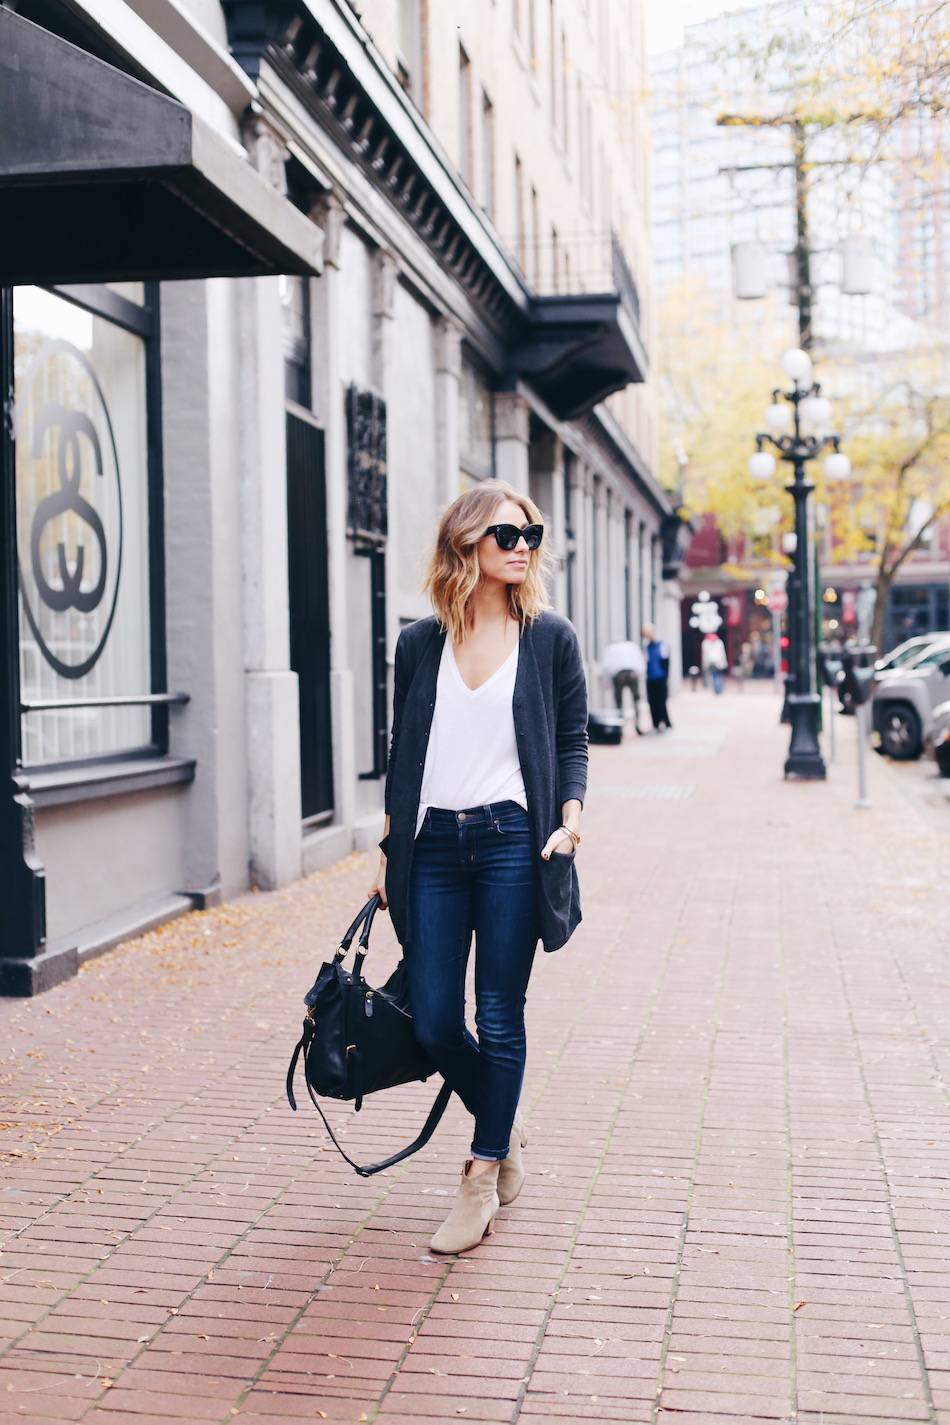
(309, 53)
(572, 349)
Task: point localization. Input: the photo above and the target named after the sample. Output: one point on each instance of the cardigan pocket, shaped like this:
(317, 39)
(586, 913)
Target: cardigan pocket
(557, 874)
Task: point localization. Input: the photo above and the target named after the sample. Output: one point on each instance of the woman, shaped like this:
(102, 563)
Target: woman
(714, 660)
(486, 781)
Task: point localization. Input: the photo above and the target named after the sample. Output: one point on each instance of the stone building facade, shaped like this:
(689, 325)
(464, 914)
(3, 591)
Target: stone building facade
(301, 304)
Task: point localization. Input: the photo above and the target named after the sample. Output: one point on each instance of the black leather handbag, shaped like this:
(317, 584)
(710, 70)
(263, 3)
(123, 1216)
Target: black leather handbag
(358, 1040)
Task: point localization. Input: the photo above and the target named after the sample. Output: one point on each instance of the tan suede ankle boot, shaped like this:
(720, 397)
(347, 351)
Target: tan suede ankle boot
(511, 1171)
(473, 1212)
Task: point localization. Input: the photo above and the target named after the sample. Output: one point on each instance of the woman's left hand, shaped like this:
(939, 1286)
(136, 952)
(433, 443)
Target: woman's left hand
(559, 843)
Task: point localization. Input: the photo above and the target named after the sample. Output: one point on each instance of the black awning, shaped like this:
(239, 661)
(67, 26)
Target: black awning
(578, 350)
(103, 178)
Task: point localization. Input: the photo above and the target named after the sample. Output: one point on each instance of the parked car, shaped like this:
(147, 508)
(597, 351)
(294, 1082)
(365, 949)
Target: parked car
(906, 652)
(938, 739)
(905, 700)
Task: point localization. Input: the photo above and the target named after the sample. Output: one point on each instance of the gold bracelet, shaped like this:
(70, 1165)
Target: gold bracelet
(574, 835)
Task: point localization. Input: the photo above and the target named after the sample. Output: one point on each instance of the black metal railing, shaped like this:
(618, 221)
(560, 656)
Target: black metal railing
(576, 264)
(623, 278)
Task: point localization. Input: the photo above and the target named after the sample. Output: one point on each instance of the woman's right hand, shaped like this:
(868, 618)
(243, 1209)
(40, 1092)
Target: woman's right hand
(378, 888)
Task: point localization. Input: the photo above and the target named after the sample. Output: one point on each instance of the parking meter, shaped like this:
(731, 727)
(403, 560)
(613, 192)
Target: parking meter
(855, 685)
(855, 680)
(830, 662)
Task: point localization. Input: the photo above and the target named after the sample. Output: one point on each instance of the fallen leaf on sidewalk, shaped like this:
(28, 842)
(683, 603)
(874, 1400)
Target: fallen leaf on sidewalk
(798, 1305)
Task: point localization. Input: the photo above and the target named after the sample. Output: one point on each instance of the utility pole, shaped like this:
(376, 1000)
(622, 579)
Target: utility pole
(800, 164)
(802, 289)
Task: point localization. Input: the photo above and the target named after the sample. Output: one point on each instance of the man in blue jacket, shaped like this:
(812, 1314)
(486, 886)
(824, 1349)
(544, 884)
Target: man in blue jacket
(658, 677)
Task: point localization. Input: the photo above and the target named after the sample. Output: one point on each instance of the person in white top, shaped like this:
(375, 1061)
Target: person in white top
(474, 863)
(472, 756)
(714, 660)
(624, 664)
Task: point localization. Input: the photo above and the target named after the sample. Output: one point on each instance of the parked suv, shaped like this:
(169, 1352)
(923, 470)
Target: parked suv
(904, 701)
(907, 652)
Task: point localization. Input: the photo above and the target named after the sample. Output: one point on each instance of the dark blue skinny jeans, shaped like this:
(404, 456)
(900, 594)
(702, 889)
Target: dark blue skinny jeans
(474, 870)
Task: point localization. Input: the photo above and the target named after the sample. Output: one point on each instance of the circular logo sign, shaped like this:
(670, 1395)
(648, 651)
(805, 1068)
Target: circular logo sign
(69, 508)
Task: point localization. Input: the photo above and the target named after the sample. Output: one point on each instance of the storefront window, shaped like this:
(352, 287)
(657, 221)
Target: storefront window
(82, 498)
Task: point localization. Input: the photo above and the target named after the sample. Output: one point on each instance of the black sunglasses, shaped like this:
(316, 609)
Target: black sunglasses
(507, 535)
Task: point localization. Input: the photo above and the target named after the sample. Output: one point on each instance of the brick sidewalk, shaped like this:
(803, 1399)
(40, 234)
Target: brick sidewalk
(737, 1207)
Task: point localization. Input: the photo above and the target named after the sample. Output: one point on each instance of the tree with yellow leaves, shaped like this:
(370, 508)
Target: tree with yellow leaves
(851, 81)
(893, 413)
(714, 387)
(897, 431)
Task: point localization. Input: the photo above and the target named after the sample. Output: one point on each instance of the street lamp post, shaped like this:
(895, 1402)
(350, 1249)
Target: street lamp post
(805, 411)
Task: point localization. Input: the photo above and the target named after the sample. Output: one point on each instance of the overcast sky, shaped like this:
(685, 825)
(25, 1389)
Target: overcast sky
(666, 18)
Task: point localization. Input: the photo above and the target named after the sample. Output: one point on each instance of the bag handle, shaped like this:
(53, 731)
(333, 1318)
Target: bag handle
(367, 913)
(428, 1128)
(365, 916)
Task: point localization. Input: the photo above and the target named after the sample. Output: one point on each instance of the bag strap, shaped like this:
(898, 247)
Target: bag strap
(367, 913)
(365, 917)
(428, 1128)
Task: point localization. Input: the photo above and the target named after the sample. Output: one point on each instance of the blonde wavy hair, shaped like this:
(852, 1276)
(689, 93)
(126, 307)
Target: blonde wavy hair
(454, 571)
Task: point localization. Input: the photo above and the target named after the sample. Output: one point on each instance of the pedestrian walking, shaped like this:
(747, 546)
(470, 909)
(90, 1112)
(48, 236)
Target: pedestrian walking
(658, 677)
(484, 791)
(624, 664)
(715, 661)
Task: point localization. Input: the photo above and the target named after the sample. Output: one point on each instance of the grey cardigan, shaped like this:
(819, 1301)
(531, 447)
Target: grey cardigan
(550, 709)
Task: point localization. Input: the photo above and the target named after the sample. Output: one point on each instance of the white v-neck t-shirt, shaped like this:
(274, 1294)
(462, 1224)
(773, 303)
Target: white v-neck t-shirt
(472, 755)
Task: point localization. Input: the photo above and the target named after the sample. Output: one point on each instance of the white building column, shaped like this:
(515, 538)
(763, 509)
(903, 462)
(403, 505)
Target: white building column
(271, 696)
(601, 570)
(671, 628)
(575, 517)
(368, 827)
(633, 593)
(559, 522)
(585, 555)
(328, 327)
(616, 622)
(643, 545)
(512, 430)
(202, 560)
(448, 375)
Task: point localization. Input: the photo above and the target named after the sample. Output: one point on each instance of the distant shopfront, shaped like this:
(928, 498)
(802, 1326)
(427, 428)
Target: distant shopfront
(748, 630)
(912, 609)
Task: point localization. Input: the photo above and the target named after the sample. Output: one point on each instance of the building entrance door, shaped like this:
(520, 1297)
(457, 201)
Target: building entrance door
(309, 595)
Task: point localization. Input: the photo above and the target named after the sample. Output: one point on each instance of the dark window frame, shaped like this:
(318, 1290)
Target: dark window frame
(367, 428)
(143, 320)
